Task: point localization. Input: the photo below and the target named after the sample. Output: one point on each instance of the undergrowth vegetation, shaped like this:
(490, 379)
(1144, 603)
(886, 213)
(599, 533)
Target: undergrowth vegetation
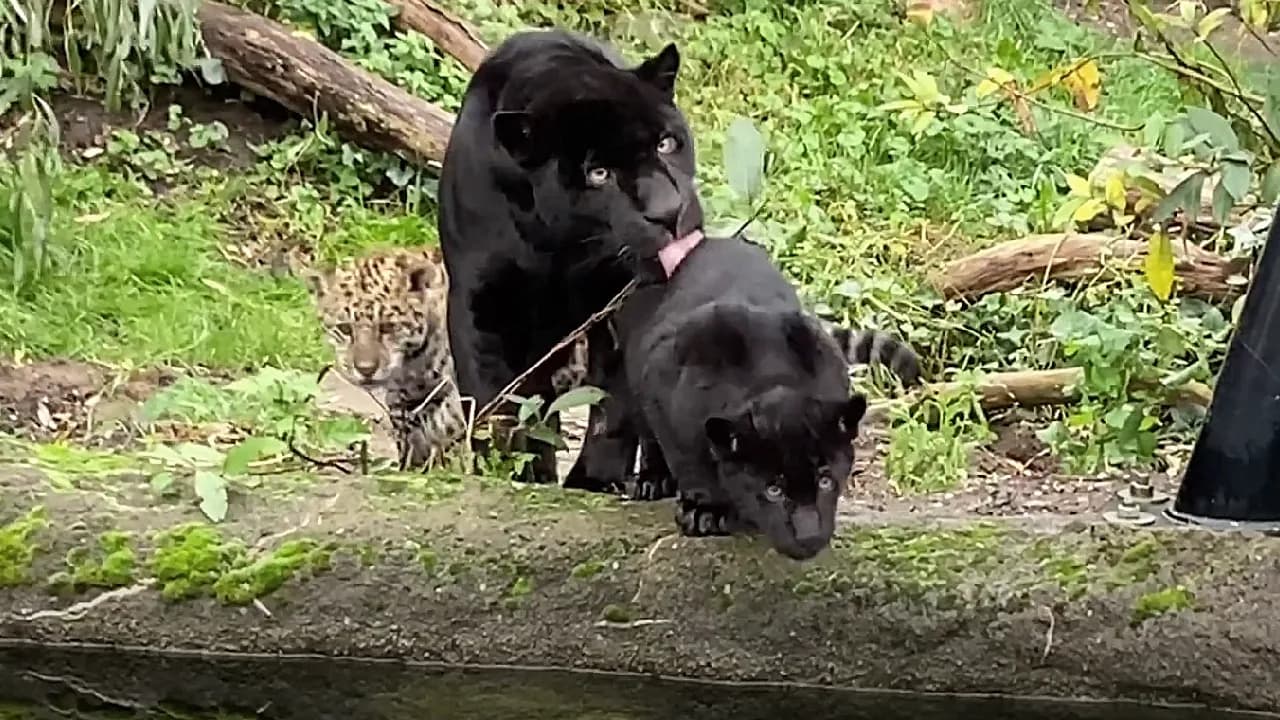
(892, 148)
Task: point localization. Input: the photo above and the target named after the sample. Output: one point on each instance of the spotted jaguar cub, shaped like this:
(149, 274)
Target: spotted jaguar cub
(384, 314)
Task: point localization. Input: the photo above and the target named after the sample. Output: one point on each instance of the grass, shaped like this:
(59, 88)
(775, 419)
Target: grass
(859, 206)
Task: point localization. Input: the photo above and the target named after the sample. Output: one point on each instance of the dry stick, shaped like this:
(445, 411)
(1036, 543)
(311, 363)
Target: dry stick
(572, 337)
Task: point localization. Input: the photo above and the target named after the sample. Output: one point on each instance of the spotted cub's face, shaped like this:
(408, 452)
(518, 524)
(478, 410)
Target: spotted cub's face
(378, 308)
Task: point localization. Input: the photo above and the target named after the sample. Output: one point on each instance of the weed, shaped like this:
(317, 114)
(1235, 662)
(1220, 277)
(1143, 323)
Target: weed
(17, 546)
(931, 443)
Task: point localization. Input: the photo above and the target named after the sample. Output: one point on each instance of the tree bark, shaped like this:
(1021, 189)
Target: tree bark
(449, 32)
(309, 79)
(1033, 388)
(1072, 256)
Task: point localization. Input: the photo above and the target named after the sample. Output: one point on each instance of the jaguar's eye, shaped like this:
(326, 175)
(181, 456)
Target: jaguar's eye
(387, 328)
(668, 144)
(826, 484)
(773, 493)
(342, 329)
(597, 177)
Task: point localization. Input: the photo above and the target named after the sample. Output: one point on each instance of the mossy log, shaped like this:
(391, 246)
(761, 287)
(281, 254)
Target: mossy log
(473, 573)
(1071, 256)
(449, 32)
(309, 79)
(1034, 388)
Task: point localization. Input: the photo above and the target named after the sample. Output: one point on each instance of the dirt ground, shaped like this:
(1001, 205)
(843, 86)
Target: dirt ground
(1014, 476)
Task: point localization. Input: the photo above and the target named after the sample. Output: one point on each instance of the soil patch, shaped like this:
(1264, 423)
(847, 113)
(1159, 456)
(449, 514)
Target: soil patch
(87, 125)
(1233, 39)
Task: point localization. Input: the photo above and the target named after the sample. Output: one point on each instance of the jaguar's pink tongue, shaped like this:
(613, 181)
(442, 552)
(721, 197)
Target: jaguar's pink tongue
(675, 252)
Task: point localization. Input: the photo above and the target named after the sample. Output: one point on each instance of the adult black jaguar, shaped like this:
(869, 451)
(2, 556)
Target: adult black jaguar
(567, 172)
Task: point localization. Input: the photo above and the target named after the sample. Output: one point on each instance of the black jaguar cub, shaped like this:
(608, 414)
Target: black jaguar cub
(744, 398)
(566, 174)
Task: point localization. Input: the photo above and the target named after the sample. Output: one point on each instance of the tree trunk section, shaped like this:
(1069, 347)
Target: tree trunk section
(309, 79)
(1069, 256)
(449, 32)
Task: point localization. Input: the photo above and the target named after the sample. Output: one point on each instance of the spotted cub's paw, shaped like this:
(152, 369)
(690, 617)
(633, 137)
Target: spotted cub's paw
(699, 519)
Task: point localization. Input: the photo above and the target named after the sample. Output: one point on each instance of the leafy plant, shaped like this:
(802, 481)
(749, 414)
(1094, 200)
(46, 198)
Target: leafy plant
(26, 200)
(537, 423)
(932, 441)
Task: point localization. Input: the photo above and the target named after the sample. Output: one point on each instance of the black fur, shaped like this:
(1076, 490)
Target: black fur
(743, 397)
(565, 173)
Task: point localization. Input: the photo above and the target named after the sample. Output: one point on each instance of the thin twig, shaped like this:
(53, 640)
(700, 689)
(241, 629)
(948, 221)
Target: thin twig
(568, 340)
(331, 464)
(1023, 95)
(1235, 82)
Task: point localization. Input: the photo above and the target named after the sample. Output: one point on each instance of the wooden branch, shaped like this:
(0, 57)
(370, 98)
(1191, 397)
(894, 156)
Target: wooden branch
(1032, 388)
(1070, 256)
(449, 32)
(309, 79)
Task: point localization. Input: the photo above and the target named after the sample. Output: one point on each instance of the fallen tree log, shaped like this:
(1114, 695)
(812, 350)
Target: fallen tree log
(301, 74)
(1070, 256)
(1034, 388)
(449, 32)
(479, 574)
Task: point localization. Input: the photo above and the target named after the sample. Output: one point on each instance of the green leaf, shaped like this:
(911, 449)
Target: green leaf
(744, 151)
(1236, 178)
(1222, 203)
(527, 408)
(577, 397)
(200, 455)
(248, 450)
(546, 435)
(211, 488)
(1271, 184)
(1185, 197)
(1204, 120)
(1159, 265)
(162, 483)
(1175, 134)
(1271, 106)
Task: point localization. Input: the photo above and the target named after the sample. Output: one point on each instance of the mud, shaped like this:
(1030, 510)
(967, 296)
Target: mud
(87, 125)
(472, 573)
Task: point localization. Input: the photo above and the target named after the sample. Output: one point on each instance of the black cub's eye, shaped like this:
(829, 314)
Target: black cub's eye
(668, 144)
(826, 484)
(773, 493)
(598, 176)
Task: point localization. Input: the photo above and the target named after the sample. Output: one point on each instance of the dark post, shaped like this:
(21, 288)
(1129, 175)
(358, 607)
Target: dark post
(1233, 478)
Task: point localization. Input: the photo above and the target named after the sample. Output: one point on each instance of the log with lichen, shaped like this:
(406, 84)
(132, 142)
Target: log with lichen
(1083, 257)
(301, 74)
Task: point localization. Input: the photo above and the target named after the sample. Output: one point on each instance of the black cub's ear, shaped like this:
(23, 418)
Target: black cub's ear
(722, 436)
(851, 414)
(660, 70)
(513, 132)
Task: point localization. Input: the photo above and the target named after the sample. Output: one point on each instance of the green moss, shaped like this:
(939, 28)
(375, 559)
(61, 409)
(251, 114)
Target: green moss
(113, 565)
(190, 558)
(587, 570)
(195, 560)
(17, 550)
(263, 576)
(615, 613)
(1158, 603)
(429, 560)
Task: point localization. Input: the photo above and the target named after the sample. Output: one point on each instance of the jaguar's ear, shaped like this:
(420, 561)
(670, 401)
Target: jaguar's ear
(513, 131)
(661, 69)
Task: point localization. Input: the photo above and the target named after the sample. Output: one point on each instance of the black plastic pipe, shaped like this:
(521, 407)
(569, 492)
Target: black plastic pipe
(1234, 471)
